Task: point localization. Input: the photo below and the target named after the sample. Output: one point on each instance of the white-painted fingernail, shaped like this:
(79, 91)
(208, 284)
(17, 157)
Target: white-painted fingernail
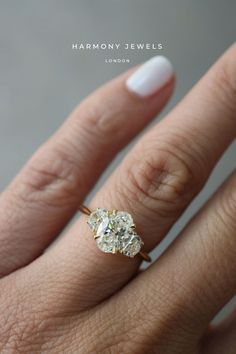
(150, 77)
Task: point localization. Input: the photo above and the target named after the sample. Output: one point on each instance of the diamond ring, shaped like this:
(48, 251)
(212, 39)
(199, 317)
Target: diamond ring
(114, 232)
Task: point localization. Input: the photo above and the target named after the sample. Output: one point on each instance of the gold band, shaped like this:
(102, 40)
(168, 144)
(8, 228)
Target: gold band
(142, 254)
(84, 209)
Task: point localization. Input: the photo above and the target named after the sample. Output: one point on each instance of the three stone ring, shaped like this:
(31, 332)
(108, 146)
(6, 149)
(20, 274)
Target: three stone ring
(114, 232)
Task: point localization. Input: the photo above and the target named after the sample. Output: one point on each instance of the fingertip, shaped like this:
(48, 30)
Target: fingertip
(150, 77)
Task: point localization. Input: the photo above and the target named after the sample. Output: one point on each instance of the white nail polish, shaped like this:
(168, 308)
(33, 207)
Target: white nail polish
(150, 77)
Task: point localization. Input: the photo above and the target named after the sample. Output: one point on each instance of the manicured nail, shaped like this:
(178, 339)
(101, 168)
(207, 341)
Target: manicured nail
(150, 77)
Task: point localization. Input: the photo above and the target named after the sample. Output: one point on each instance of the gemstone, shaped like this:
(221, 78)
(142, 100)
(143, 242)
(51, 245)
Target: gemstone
(96, 217)
(123, 221)
(114, 231)
(133, 246)
(108, 243)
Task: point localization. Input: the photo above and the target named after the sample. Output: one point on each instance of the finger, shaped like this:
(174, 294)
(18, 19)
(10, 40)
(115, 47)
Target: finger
(155, 182)
(44, 196)
(195, 277)
(222, 338)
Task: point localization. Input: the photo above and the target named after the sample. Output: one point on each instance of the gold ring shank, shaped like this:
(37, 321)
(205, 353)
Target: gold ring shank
(84, 209)
(145, 256)
(87, 211)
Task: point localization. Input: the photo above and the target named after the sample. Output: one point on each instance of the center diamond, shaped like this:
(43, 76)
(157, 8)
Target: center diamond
(114, 232)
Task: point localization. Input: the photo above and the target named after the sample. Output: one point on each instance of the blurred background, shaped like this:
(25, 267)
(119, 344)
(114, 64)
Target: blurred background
(42, 79)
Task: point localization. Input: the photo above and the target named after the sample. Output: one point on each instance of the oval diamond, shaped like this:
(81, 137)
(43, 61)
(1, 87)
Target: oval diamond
(114, 232)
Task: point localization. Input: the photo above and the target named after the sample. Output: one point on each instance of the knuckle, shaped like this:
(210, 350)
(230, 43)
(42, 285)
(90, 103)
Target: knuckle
(221, 216)
(52, 180)
(226, 210)
(163, 181)
(229, 66)
(224, 79)
(219, 225)
(102, 124)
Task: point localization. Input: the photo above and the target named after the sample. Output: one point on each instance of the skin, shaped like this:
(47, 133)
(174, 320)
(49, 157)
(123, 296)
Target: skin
(76, 299)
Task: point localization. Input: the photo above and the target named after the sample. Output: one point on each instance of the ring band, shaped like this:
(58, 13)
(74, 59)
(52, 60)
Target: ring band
(114, 232)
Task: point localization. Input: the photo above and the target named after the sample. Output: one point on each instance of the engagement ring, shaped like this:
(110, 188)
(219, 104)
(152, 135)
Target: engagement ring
(114, 232)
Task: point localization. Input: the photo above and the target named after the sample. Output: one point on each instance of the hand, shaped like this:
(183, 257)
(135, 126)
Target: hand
(75, 298)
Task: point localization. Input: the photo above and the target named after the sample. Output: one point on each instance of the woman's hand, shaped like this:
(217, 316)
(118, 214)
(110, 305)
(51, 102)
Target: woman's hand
(75, 298)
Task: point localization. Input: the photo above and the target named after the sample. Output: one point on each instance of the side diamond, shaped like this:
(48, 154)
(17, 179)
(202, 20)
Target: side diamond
(133, 246)
(96, 217)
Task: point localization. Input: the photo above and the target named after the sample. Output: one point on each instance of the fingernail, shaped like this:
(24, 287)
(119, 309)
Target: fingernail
(150, 77)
